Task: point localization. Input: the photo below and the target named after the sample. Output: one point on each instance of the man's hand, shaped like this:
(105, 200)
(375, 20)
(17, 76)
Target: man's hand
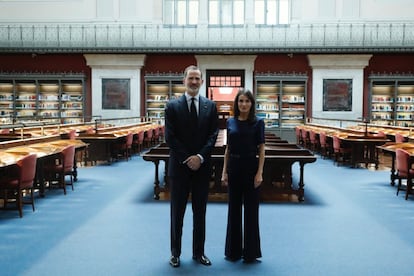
(193, 162)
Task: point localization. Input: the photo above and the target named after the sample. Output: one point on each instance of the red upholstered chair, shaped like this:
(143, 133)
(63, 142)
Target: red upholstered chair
(72, 134)
(123, 148)
(148, 137)
(325, 149)
(162, 133)
(380, 134)
(399, 138)
(341, 153)
(90, 130)
(313, 140)
(20, 178)
(156, 135)
(404, 170)
(298, 135)
(56, 169)
(127, 147)
(138, 141)
(305, 138)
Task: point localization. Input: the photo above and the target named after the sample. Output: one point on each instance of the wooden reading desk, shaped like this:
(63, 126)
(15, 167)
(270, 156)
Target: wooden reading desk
(101, 143)
(278, 168)
(390, 148)
(44, 150)
(364, 149)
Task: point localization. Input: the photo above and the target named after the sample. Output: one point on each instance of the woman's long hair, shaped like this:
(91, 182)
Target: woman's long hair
(252, 112)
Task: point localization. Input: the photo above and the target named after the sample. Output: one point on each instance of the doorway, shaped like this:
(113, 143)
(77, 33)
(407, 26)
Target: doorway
(222, 87)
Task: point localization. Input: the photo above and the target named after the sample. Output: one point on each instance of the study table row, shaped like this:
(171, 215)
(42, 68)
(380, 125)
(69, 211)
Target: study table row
(98, 145)
(102, 144)
(102, 140)
(390, 149)
(368, 145)
(277, 174)
(44, 150)
(361, 145)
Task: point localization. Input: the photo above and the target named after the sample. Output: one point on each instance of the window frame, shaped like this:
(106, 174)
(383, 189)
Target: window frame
(173, 20)
(221, 15)
(278, 13)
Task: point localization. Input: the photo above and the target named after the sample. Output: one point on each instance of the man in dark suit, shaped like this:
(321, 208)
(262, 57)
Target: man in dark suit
(191, 134)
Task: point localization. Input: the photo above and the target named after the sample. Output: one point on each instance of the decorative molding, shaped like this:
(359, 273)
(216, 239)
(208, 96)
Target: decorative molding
(115, 61)
(339, 61)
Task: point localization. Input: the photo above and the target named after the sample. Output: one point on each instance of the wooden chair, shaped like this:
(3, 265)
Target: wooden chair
(56, 169)
(148, 137)
(404, 170)
(20, 179)
(90, 130)
(305, 138)
(127, 147)
(72, 134)
(298, 135)
(313, 141)
(162, 133)
(156, 135)
(341, 153)
(399, 138)
(124, 147)
(324, 147)
(138, 141)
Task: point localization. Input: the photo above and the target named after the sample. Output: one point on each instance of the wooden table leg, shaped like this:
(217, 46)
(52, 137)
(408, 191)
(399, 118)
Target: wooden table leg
(156, 181)
(301, 190)
(40, 176)
(393, 175)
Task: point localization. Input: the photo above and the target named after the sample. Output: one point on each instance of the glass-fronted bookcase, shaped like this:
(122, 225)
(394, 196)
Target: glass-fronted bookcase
(57, 98)
(280, 100)
(392, 100)
(159, 89)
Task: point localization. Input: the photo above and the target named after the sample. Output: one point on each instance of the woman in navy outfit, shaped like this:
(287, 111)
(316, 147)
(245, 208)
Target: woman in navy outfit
(242, 174)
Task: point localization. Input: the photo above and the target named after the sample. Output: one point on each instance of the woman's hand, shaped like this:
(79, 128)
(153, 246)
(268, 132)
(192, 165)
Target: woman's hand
(258, 179)
(224, 180)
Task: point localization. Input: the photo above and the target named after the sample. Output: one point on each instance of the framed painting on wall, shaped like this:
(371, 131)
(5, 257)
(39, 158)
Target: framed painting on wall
(116, 94)
(337, 95)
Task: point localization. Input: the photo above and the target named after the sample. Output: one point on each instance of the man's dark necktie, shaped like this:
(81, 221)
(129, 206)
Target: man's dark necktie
(193, 114)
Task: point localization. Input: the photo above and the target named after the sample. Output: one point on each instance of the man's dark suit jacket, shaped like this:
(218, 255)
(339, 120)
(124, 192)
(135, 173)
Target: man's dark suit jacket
(183, 142)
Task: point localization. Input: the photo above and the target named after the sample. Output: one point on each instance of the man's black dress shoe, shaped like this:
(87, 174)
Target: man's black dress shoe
(175, 261)
(202, 260)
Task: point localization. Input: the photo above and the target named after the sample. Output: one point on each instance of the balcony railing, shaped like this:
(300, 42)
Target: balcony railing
(250, 38)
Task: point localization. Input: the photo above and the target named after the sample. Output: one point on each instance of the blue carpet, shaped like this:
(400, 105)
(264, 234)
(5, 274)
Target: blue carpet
(351, 223)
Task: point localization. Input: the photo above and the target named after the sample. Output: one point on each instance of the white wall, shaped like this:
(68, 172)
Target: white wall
(21, 11)
(150, 12)
(113, 67)
(338, 67)
(230, 62)
(324, 11)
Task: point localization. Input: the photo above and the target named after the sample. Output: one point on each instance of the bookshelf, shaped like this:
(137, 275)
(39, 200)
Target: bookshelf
(57, 98)
(280, 100)
(72, 101)
(6, 100)
(159, 89)
(392, 100)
